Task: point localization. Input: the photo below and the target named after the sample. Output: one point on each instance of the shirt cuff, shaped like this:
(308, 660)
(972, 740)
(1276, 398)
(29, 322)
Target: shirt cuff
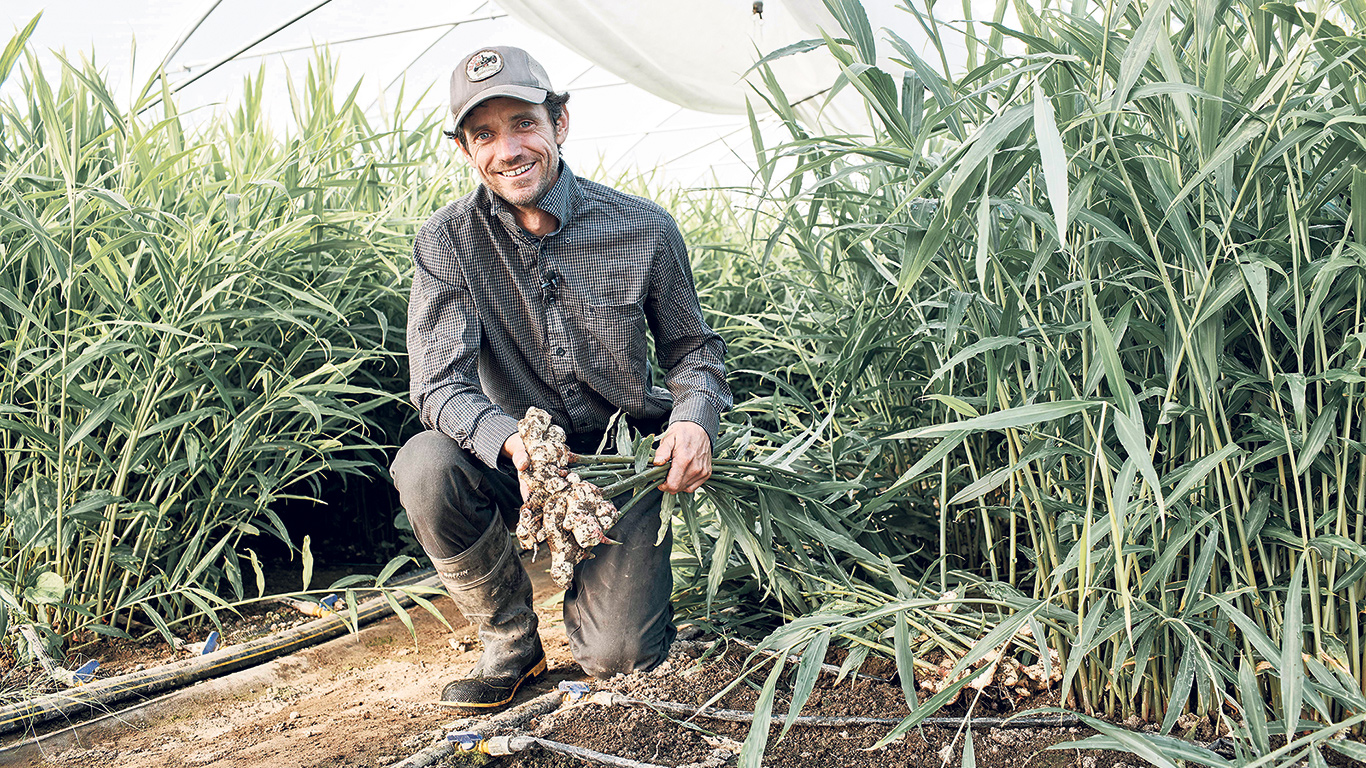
(700, 412)
(489, 435)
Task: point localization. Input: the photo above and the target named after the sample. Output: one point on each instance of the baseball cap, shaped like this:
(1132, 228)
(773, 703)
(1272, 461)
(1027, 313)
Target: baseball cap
(499, 70)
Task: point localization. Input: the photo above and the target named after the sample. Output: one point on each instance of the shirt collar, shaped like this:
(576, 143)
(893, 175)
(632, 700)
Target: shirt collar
(562, 200)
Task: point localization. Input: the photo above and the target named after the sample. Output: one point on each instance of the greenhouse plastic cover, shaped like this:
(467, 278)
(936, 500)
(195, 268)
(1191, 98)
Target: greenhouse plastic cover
(655, 85)
(697, 54)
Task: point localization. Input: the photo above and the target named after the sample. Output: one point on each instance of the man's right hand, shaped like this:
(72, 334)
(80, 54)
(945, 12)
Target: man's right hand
(516, 453)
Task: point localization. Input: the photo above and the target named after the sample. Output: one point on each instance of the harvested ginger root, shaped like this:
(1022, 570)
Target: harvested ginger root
(564, 511)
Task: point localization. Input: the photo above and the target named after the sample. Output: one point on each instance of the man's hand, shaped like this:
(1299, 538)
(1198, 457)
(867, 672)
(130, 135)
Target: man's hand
(688, 446)
(516, 452)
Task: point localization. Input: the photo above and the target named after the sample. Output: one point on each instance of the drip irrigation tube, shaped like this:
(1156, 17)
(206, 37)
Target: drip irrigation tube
(103, 693)
(511, 718)
(477, 738)
(607, 698)
(507, 745)
(829, 669)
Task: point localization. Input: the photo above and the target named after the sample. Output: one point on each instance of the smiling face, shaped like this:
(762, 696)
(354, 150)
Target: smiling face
(515, 148)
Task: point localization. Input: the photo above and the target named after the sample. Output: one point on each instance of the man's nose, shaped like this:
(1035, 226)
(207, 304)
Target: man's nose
(507, 146)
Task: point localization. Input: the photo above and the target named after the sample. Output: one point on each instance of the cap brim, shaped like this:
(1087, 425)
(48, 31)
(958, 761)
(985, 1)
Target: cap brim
(529, 94)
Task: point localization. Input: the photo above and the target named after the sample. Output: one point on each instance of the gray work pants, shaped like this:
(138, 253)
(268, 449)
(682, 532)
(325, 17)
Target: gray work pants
(616, 613)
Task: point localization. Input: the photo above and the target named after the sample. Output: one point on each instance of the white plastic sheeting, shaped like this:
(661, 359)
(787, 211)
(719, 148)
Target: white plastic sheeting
(629, 63)
(695, 54)
(692, 54)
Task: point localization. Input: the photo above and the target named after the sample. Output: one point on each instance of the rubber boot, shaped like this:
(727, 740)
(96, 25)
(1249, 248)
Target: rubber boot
(490, 586)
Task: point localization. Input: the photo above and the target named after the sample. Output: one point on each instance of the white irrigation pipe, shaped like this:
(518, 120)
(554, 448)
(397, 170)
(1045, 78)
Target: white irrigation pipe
(608, 698)
(511, 718)
(830, 669)
(499, 746)
(476, 739)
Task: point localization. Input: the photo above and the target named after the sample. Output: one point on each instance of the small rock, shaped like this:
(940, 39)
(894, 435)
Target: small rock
(293, 716)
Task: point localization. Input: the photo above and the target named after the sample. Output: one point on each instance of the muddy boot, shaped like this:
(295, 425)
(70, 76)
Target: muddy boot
(489, 585)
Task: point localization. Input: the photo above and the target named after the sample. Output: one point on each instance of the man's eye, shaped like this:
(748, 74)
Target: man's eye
(527, 123)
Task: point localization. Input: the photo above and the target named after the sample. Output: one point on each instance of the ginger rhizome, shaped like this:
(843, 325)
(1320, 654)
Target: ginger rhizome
(563, 511)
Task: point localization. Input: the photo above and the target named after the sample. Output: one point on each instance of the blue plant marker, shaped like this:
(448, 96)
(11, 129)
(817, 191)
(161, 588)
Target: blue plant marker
(575, 689)
(87, 671)
(329, 602)
(467, 740)
(210, 644)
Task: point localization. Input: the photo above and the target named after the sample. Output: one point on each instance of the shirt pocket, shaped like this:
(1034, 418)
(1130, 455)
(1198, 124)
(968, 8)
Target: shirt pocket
(616, 335)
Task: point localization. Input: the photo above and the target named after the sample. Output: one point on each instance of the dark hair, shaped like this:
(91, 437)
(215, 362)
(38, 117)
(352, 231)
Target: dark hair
(554, 106)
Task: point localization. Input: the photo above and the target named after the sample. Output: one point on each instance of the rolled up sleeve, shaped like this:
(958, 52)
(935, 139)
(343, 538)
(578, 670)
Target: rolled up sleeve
(690, 352)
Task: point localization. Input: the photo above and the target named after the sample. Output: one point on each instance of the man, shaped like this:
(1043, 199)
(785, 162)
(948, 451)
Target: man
(537, 289)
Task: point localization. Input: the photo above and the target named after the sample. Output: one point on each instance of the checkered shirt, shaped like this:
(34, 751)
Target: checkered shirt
(500, 320)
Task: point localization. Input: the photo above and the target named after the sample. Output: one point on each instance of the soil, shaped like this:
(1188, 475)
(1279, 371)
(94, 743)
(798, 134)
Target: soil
(692, 677)
(359, 701)
(369, 700)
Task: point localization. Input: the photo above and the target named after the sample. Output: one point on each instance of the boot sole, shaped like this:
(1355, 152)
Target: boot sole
(531, 674)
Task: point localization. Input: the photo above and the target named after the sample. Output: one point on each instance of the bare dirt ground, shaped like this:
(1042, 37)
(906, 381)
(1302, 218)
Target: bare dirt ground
(369, 700)
(640, 734)
(358, 701)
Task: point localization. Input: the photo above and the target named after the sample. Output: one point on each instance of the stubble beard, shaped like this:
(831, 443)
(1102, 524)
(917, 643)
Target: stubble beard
(524, 197)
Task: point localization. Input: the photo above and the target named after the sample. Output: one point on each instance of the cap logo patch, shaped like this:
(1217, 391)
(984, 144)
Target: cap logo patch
(483, 65)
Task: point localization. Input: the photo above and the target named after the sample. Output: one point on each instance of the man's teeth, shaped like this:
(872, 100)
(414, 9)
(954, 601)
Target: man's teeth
(515, 172)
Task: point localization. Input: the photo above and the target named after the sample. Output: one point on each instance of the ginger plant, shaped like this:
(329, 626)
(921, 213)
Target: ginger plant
(563, 510)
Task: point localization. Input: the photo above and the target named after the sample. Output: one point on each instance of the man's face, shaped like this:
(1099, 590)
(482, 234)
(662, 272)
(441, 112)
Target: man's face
(514, 148)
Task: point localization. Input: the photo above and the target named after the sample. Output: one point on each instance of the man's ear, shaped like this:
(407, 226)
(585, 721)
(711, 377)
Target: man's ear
(562, 125)
(464, 146)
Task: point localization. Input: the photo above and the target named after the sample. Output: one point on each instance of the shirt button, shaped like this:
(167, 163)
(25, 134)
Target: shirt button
(559, 351)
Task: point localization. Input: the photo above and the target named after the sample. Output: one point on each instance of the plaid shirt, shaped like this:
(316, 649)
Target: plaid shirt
(500, 320)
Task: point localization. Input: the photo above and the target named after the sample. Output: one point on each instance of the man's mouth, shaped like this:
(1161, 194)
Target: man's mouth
(515, 172)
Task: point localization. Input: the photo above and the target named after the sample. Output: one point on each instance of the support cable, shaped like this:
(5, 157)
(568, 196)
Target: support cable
(424, 52)
(184, 38)
(362, 38)
(181, 86)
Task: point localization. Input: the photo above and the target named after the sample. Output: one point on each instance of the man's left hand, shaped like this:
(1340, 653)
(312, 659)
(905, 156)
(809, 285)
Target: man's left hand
(688, 446)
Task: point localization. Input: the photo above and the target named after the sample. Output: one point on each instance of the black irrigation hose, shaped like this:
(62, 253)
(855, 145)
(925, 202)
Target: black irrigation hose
(100, 694)
(744, 716)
